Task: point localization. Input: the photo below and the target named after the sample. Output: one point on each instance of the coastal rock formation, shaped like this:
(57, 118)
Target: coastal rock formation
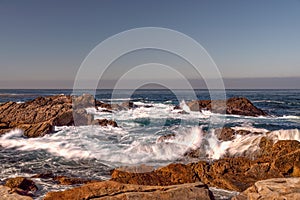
(110, 190)
(170, 175)
(7, 194)
(21, 185)
(277, 188)
(39, 116)
(235, 106)
(237, 173)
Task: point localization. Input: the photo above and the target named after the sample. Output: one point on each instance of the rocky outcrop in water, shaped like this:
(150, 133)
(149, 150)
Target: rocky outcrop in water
(277, 188)
(39, 116)
(278, 160)
(235, 106)
(21, 185)
(110, 190)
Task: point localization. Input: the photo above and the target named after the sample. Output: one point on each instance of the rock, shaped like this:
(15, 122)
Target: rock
(235, 105)
(6, 194)
(21, 185)
(225, 134)
(277, 188)
(105, 122)
(170, 175)
(232, 173)
(128, 105)
(110, 190)
(39, 116)
(44, 175)
(64, 180)
(166, 137)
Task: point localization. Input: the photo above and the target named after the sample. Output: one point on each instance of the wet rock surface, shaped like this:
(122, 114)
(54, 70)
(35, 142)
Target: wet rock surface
(235, 106)
(21, 185)
(39, 116)
(113, 190)
(237, 173)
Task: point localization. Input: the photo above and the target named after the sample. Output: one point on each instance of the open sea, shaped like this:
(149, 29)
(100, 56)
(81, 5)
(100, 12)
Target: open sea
(92, 151)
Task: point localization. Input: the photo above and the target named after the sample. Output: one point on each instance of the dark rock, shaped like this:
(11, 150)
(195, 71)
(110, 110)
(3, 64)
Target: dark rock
(44, 175)
(128, 104)
(64, 180)
(177, 107)
(165, 137)
(21, 185)
(235, 105)
(104, 122)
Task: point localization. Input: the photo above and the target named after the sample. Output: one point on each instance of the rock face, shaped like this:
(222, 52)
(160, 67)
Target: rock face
(6, 194)
(235, 105)
(39, 116)
(110, 190)
(277, 188)
(170, 175)
(238, 173)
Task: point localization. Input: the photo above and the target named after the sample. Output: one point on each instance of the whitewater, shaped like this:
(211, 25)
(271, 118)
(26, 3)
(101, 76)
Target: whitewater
(92, 151)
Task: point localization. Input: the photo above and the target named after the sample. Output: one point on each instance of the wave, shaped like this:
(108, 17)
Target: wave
(248, 144)
(268, 101)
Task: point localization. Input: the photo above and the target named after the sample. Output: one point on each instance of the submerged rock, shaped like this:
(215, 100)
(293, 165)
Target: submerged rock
(113, 190)
(39, 116)
(235, 105)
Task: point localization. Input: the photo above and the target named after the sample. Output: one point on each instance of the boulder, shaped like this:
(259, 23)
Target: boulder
(277, 188)
(7, 194)
(110, 190)
(21, 185)
(235, 105)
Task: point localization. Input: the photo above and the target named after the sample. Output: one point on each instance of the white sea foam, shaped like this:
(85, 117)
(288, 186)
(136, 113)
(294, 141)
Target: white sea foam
(248, 144)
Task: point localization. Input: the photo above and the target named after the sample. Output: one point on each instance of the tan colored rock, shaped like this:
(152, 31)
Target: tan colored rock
(277, 188)
(110, 190)
(170, 175)
(7, 194)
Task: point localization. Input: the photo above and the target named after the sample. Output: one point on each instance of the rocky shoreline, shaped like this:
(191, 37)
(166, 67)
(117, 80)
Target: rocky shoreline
(263, 174)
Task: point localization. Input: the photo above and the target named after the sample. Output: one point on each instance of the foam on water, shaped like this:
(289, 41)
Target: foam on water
(246, 145)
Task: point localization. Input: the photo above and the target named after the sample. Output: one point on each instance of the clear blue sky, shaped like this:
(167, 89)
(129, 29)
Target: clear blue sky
(42, 43)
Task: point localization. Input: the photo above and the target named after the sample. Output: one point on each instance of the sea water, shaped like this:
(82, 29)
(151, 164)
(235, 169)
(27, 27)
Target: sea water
(92, 151)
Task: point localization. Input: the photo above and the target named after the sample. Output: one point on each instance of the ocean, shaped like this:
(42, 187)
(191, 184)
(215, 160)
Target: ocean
(93, 151)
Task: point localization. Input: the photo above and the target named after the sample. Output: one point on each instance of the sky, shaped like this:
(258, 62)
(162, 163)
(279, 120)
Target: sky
(254, 44)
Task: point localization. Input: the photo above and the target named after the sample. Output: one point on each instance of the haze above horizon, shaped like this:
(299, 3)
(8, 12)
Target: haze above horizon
(255, 44)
